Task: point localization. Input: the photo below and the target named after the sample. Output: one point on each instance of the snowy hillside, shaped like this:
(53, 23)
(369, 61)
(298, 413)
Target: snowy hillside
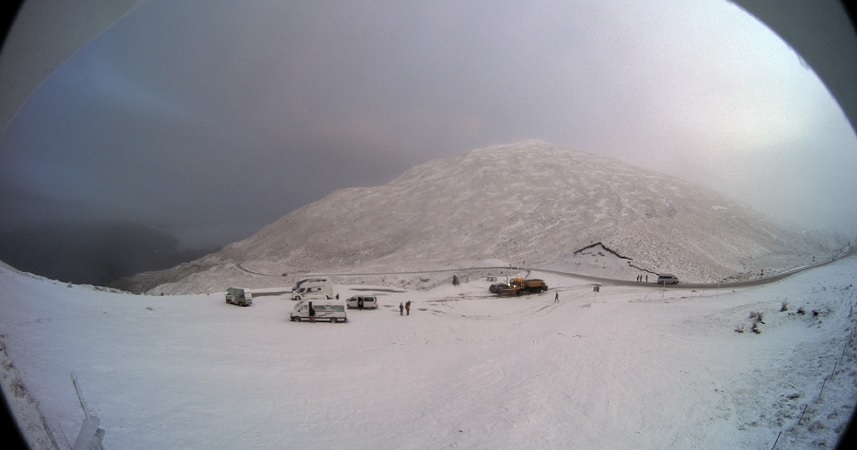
(627, 367)
(528, 203)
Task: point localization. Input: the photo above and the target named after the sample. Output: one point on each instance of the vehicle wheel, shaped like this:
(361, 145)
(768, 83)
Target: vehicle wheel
(333, 320)
(296, 319)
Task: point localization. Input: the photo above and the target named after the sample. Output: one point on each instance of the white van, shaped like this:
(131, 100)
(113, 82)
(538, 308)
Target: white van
(313, 289)
(362, 302)
(667, 278)
(330, 310)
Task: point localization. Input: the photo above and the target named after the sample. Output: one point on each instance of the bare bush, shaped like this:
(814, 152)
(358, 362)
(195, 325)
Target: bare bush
(757, 317)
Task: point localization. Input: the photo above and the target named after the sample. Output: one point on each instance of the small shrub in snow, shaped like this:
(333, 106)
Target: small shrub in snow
(739, 328)
(757, 317)
(784, 307)
(18, 389)
(801, 311)
(821, 312)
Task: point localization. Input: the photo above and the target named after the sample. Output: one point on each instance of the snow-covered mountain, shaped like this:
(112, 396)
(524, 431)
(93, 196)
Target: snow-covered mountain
(527, 203)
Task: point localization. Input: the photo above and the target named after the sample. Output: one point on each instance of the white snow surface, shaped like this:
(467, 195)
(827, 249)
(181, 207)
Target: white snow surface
(626, 367)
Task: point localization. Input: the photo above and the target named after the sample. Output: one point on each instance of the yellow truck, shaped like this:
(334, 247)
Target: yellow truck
(521, 286)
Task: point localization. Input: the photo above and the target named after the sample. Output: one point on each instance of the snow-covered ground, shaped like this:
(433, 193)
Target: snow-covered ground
(626, 367)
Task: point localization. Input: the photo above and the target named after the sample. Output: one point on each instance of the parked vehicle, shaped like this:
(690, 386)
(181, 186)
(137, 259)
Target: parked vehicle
(239, 296)
(362, 302)
(329, 310)
(309, 280)
(313, 289)
(520, 286)
(496, 287)
(667, 278)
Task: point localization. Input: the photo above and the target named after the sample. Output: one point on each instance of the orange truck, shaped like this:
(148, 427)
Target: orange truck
(520, 286)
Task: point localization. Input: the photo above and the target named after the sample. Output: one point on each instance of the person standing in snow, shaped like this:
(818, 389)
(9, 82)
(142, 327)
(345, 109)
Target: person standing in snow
(408, 307)
(401, 309)
(311, 313)
(647, 278)
(556, 298)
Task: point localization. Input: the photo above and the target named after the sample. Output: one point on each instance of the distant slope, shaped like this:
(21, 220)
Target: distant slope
(526, 202)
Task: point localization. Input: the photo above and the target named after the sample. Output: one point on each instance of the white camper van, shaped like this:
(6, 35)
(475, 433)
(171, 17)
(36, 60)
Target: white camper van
(302, 281)
(313, 289)
(312, 310)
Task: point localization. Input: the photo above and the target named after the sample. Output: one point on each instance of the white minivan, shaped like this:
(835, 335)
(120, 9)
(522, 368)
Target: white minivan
(330, 310)
(362, 302)
(313, 289)
(667, 278)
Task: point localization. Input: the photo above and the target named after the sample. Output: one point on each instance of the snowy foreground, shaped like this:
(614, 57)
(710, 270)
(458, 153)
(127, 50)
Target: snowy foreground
(627, 367)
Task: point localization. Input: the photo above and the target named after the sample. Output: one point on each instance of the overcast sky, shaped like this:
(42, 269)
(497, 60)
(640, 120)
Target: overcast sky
(211, 119)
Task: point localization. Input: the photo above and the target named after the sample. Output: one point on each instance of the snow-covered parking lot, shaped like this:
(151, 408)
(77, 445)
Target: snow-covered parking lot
(626, 367)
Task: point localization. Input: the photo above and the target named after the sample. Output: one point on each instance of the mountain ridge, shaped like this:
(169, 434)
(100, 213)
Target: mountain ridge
(524, 202)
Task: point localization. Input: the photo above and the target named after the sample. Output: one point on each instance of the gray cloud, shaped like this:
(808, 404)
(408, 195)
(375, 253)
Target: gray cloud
(211, 119)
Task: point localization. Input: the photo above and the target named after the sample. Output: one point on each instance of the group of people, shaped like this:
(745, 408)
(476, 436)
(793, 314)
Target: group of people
(405, 307)
(640, 278)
